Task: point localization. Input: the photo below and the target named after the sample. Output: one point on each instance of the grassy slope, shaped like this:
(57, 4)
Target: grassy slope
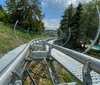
(8, 40)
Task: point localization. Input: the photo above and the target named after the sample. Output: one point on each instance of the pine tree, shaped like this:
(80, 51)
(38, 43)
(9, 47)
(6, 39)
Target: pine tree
(76, 26)
(66, 21)
(72, 19)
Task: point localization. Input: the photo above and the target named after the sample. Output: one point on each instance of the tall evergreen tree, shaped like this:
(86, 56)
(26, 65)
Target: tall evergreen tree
(76, 26)
(72, 19)
(66, 21)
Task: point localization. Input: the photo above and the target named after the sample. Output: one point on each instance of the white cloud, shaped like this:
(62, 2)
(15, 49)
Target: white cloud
(51, 23)
(75, 2)
(60, 5)
(57, 5)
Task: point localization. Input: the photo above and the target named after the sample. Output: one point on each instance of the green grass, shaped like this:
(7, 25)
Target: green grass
(8, 40)
(64, 76)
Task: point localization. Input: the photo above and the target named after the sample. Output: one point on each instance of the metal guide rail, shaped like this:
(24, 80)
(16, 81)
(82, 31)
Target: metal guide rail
(83, 67)
(11, 64)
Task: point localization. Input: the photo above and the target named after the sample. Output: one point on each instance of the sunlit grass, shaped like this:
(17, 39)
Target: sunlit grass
(8, 40)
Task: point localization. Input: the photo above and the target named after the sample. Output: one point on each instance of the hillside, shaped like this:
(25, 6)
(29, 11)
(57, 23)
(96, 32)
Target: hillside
(8, 40)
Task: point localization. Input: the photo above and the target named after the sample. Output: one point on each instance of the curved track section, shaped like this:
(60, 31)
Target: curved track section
(13, 61)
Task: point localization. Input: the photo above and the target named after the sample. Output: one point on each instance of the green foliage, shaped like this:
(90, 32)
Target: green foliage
(90, 21)
(83, 21)
(72, 19)
(76, 22)
(3, 15)
(64, 76)
(25, 23)
(27, 12)
(8, 40)
(65, 23)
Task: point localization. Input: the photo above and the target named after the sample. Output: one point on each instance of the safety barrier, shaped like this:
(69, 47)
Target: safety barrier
(89, 63)
(11, 63)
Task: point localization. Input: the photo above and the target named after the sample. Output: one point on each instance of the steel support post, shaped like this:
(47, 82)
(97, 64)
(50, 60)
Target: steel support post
(30, 51)
(28, 73)
(87, 80)
(53, 71)
(49, 53)
(16, 79)
(27, 60)
(44, 45)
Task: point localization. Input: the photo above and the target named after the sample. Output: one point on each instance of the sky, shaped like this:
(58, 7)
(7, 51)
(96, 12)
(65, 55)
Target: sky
(53, 10)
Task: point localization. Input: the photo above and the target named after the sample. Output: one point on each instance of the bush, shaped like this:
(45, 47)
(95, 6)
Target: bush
(25, 24)
(2, 15)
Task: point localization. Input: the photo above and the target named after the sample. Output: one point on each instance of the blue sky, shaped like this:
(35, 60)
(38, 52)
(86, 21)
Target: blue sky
(2, 1)
(53, 10)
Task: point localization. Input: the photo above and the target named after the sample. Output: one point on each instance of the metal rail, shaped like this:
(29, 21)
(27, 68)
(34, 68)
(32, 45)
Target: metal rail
(6, 74)
(16, 33)
(34, 83)
(98, 32)
(11, 69)
(94, 63)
